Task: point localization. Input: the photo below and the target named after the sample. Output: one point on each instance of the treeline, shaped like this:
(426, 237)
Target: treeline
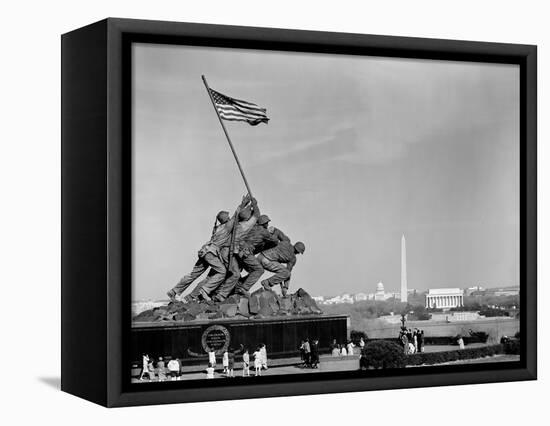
(415, 307)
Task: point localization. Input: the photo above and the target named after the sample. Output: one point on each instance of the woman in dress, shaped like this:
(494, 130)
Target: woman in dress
(145, 367)
(334, 349)
(258, 361)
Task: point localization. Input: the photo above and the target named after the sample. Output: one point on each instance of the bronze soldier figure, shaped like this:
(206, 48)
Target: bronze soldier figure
(274, 260)
(248, 218)
(209, 256)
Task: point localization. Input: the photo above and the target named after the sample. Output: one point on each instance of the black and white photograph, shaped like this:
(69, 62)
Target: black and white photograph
(279, 213)
(298, 213)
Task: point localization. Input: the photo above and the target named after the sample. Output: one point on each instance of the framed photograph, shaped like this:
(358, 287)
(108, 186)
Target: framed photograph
(255, 212)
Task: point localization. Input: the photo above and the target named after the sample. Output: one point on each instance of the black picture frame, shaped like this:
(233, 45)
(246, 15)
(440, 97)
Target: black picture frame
(96, 234)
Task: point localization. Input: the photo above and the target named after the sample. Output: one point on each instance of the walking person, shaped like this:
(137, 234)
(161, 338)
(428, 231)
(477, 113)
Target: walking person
(246, 363)
(314, 353)
(415, 340)
(302, 354)
(405, 343)
(225, 362)
(460, 342)
(263, 352)
(230, 363)
(145, 367)
(361, 343)
(257, 362)
(307, 353)
(420, 339)
(212, 357)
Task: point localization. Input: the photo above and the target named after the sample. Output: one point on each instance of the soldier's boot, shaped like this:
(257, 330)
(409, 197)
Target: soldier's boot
(218, 298)
(265, 284)
(284, 290)
(171, 295)
(204, 295)
(190, 299)
(242, 292)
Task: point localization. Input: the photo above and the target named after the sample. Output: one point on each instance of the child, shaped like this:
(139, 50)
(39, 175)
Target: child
(225, 362)
(151, 368)
(343, 350)
(174, 368)
(258, 362)
(161, 370)
(212, 357)
(246, 363)
(210, 371)
(263, 352)
(350, 347)
(230, 363)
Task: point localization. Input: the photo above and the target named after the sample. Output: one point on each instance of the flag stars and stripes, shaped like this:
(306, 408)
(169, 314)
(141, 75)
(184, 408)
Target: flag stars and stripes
(232, 109)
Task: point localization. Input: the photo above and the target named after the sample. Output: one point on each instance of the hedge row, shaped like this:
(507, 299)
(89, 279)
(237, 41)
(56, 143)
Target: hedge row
(457, 355)
(443, 340)
(512, 347)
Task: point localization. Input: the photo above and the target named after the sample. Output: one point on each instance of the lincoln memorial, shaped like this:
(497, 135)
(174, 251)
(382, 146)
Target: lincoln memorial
(444, 298)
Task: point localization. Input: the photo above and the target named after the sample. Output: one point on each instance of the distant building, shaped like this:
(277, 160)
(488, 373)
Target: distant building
(503, 291)
(470, 290)
(455, 316)
(344, 298)
(359, 297)
(380, 294)
(444, 298)
(404, 293)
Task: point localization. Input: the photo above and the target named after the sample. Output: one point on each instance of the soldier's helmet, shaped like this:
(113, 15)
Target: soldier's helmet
(263, 219)
(222, 216)
(245, 214)
(300, 247)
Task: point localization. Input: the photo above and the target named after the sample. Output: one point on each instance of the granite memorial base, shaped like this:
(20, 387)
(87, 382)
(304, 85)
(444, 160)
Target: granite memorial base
(189, 341)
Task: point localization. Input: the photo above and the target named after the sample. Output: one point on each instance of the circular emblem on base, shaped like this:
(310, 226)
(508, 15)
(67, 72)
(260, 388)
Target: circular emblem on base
(216, 337)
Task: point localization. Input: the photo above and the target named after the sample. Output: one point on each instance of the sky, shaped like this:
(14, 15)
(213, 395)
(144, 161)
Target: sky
(358, 152)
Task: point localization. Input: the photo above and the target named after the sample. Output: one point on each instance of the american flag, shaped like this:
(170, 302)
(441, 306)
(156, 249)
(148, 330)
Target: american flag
(236, 110)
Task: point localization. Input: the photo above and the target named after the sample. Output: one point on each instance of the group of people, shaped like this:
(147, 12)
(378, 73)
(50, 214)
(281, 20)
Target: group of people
(309, 353)
(244, 241)
(412, 341)
(228, 361)
(162, 370)
(346, 348)
(173, 369)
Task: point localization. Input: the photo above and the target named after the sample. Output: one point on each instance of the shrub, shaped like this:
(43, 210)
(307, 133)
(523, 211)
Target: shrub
(512, 347)
(355, 336)
(455, 355)
(383, 354)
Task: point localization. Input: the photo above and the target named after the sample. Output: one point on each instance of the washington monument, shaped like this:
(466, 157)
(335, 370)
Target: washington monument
(403, 269)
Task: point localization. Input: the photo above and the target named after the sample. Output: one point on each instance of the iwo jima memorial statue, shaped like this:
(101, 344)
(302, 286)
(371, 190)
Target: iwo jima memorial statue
(223, 311)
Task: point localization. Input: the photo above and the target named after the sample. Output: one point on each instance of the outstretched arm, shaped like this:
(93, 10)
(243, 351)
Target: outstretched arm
(255, 208)
(290, 265)
(280, 235)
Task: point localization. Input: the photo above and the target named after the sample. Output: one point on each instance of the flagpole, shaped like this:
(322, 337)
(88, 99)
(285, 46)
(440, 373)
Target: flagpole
(227, 136)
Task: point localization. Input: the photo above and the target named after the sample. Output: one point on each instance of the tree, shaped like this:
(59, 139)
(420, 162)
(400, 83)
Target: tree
(383, 354)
